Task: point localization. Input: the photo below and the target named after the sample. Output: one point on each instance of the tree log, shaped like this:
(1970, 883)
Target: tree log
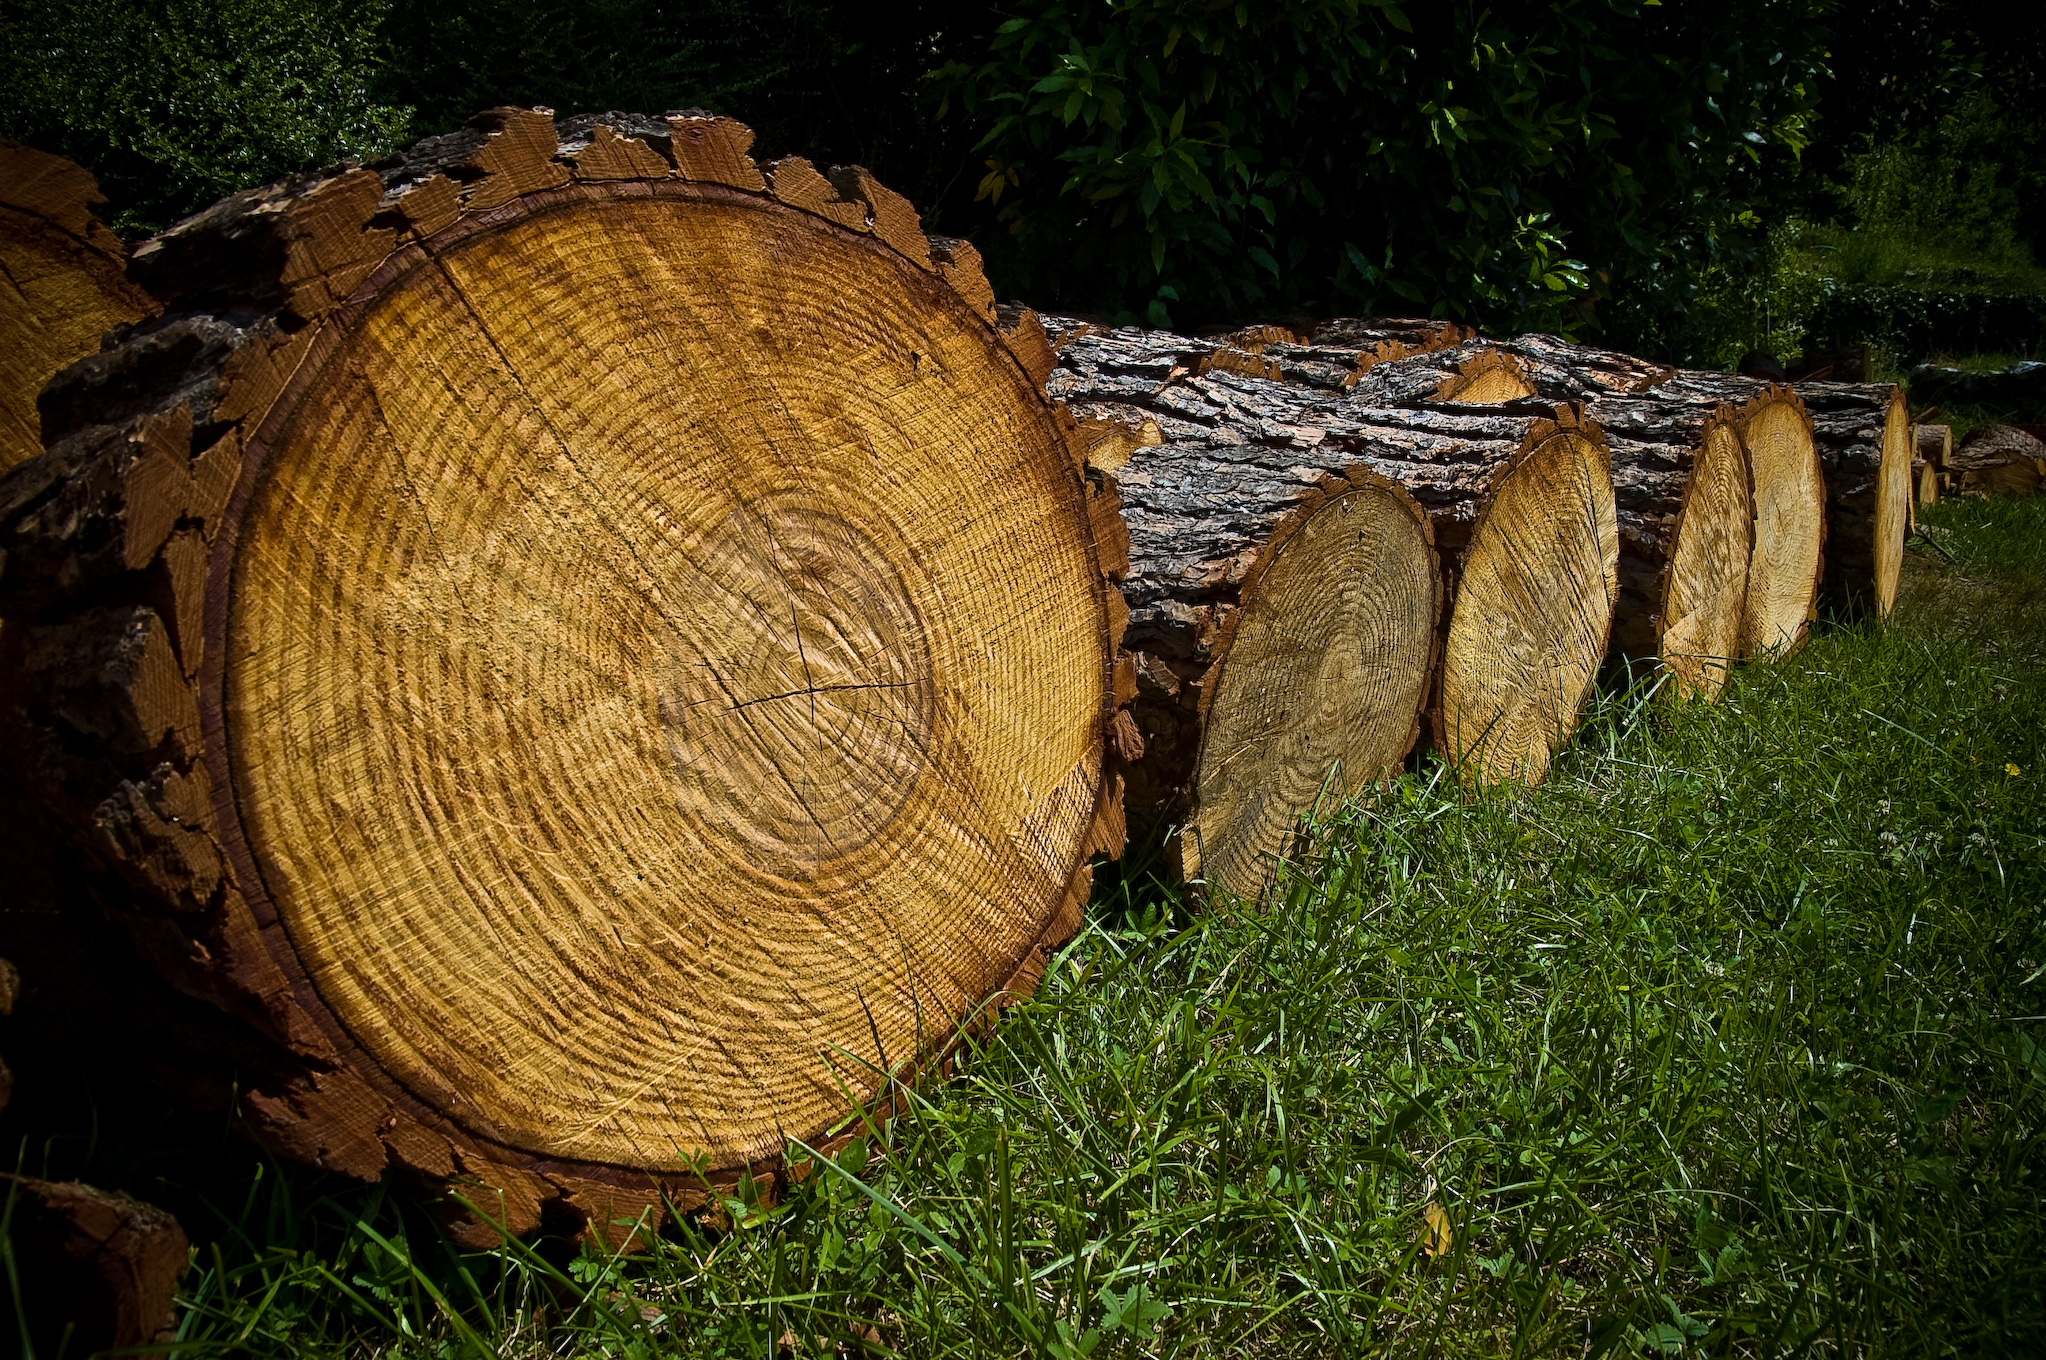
(1999, 460)
(1933, 443)
(1866, 444)
(92, 1263)
(1222, 472)
(585, 647)
(63, 285)
(1720, 545)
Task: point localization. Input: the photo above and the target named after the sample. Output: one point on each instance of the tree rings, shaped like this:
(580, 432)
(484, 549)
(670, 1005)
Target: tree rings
(1533, 610)
(1320, 689)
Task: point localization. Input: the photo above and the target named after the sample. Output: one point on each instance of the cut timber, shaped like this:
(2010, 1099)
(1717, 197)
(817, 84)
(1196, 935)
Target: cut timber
(1687, 529)
(1999, 460)
(1533, 368)
(93, 1267)
(1928, 486)
(594, 653)
(1790, 521)
(62, 285)
(1866, 447)
(1788, 498)
(1288, 600)
(1681, 481)
(1332, 354)
(1212, 463)
(1933, 444)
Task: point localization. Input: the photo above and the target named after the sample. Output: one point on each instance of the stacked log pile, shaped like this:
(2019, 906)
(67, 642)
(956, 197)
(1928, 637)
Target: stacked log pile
(1292, 547)
(1717, 481)
(575, 657)
(537, 634)
(62, 285)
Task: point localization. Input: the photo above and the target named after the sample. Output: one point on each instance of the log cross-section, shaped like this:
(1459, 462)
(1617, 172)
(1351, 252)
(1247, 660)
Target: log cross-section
(1217, 466)
(597, 656)
(62, 285)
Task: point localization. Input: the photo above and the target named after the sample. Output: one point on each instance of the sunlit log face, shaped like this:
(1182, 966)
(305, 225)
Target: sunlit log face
(1533, 611)
(666, 656)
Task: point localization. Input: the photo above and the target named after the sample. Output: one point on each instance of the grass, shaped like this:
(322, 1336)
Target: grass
(1931, 260)
(1726, 1041)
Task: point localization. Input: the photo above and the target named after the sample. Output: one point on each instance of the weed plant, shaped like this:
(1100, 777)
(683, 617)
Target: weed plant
(1726, 1040)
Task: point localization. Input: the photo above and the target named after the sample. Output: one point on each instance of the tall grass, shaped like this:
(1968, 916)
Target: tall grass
(1727, 1040)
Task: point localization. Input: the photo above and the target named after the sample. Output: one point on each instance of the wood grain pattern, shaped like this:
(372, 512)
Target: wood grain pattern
(651, 647)
(1706, 587)
(1319, 690)
(63, 285)
(1790, 522)
(1534, 610)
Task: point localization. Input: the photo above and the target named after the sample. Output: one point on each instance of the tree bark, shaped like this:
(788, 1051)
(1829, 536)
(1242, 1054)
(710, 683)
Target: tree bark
(62, 285)
(574, 645)
(1217, 469)
(1720, 545)
(96, 1264)
(1999, 460)
(1865, 444)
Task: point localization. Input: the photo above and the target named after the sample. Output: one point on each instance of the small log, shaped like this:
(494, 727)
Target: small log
(1933, 444)
(589, 653)
(95, 1264)
(1865, 442)
(1999, 460)
(65, 284)
(1216, 468)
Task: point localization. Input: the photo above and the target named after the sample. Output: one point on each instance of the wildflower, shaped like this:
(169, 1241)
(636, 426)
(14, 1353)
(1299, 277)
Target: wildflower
(2012, 770)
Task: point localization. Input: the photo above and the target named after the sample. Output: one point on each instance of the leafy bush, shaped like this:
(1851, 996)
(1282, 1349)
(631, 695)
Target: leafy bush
(173, 103)
(837, 83)
(1911, 323)
(1504, 166)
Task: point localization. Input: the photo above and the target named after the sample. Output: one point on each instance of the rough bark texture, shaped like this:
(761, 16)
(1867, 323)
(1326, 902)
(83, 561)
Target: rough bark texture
(1999, 460)
(1211, 465)
(1540, 368)
(97, 1262)
(62, 284)
(1657, 422)
(149, 555)
(1865, 446)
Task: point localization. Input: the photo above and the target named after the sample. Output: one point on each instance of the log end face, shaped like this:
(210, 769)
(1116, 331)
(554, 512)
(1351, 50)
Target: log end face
(1320, 689)
(1705, 591)
(1893, 501)
(1533, 611)
(1790, 522)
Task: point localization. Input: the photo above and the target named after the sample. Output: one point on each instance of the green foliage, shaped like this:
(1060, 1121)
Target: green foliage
(1499, 165)
(1723, 1042)
(173, 103)
(837, 83)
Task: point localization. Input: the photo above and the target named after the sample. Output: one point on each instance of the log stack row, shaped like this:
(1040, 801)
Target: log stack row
(573, 660)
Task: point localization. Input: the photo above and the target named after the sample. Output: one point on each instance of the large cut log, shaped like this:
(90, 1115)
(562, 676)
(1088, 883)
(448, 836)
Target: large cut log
(592, 650)
(1866, 447)
(1718, 484)
(1235, 488)
(62, 284)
